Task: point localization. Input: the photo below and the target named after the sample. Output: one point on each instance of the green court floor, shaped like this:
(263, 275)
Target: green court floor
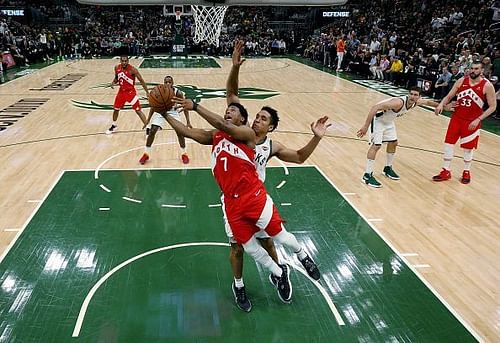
(83, 248)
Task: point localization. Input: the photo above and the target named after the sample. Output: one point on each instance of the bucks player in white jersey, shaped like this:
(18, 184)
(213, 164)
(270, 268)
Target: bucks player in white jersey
(266, 121)
(380, 120)
(157, 122)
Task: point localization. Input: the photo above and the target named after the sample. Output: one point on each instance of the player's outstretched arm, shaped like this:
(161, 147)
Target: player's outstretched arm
(243, 132)
(384, 105)
(141, 80)
(446, 100)
(232, 80)
(300, 156)
(201, 136)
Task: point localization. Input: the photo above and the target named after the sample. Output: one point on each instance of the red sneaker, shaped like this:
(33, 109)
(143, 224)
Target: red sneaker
(144, 158)
(442, 176)
(465, 177)
(185, 158)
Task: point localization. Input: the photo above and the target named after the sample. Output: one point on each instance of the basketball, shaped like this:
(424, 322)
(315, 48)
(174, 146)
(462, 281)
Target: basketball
(161, 98)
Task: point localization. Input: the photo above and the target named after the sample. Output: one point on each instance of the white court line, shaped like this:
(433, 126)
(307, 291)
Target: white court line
(88, 298)
(173, 206)
(284, 167)
(11, 230)
(11, 244)
(349, 193)
(286, 204)
(424, 281)
(421, 266)
(375, 220)
(406, 254)
(104, 208)
(322, 290)
(132, 200)
(282, 183)
(35, 201)
(215, 205)
(105, 188)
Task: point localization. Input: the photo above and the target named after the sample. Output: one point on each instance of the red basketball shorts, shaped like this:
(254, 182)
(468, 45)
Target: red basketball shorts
(458, 128)
(248, 214)
(130, 97)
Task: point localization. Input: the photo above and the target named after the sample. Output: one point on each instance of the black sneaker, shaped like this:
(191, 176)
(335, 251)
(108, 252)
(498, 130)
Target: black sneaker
(273, 280)
(111, 129)
(240, 298)
(310, 267)
(284, 285)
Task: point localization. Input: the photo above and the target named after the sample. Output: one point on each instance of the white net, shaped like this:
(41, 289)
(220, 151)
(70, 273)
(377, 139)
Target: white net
(208, 23)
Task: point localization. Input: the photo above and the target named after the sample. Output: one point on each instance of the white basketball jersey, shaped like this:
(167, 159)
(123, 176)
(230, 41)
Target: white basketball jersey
(389, 115)
(262, 155)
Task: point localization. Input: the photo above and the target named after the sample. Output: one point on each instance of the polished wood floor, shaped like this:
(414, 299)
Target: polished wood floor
(448, 231)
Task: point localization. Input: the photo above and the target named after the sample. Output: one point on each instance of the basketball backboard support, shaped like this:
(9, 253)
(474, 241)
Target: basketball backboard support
(217, 2)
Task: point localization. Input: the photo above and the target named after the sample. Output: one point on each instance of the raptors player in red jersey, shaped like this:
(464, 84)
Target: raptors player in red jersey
(125, 75)
(248, 207)
(472, 91)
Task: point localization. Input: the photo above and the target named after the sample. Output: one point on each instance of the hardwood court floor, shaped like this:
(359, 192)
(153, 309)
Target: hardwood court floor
(448, 231)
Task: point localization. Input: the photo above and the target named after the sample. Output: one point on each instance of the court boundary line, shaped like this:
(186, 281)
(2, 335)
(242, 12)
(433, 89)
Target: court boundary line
(30, 217)
(421, 278)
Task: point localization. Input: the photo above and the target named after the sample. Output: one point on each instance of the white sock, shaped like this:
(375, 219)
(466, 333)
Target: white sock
(147, 150)
(114, 123)
(369, 166)
(183, 151)
(301, 254)
(447, 155)
(238, 282)
(468, 158)
(389, 158)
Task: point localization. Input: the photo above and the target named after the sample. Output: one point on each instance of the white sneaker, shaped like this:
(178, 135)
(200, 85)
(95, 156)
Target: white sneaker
(112, 129)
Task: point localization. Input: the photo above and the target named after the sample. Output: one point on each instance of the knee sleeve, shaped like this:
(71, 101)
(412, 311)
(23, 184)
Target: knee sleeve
(468, 155)
(448, 151)
(287, 239)
(259, 254)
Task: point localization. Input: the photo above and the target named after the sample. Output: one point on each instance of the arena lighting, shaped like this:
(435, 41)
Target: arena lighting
(217, 2)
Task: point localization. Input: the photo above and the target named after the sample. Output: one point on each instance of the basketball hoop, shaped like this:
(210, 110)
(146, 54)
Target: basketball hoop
(208, 23)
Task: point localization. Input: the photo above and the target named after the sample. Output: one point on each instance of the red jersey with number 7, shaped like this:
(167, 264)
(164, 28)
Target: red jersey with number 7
(470, 100)
(233, 166)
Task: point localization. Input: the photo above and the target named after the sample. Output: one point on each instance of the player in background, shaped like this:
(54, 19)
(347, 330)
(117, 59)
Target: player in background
(156, 122)
(380, 120)
(472, 92)
(125, 75)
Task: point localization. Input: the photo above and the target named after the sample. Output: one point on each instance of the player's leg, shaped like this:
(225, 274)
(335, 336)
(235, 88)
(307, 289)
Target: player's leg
(376, 135)
(182, 144)
(390, 152)
(149, 142)
(117, 106)
(468, 143)
(452, 135)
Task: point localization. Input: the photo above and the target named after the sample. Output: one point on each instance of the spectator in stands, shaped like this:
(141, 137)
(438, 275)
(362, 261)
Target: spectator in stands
(442, 85)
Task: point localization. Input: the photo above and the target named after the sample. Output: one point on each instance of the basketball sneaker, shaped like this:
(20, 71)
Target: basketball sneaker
(185, 158)
(370, 180)
(144, 158)
(240, 298)
(465, 177)
(390, 173)
(112, 129)
(283, 284)
(442, 176)
(310, 267)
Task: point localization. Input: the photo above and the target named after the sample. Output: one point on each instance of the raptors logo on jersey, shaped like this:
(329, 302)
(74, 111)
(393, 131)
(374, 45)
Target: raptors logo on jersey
(470, 100)
(233, 165)
(126, 79)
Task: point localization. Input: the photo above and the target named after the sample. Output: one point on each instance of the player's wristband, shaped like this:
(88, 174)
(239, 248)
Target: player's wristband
(195, 106)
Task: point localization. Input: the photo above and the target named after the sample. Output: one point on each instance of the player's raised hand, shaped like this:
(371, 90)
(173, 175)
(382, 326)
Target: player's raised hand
(239, 45)
(320, 126)
(439, 109)
(361, 132)
(182, 104)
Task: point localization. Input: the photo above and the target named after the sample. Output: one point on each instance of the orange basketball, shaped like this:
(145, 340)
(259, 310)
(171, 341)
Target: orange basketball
(161, 98)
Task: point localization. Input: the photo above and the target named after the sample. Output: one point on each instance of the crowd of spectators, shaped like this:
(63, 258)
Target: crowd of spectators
(398, 42)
